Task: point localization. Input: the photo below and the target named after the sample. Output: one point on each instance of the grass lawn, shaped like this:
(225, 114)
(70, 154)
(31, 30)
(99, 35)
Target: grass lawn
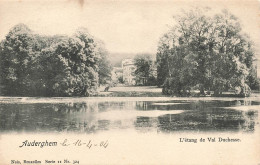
(144, 91)
(132, 91)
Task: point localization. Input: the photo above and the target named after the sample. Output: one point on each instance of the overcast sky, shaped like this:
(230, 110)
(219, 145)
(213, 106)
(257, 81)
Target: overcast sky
(124, 26)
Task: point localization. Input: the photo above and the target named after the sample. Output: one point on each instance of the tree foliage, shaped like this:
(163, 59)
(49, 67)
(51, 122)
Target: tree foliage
(145, 68)
(104, 65)
(37, 65)
(203, 50)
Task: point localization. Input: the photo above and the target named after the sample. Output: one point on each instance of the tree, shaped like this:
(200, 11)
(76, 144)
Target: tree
(34, 65)
(75, 61)
(162, 59)
(233, 54)
(252, 79)
(17, 55)
(104, 65)
(206, 51)
(144, 69)
(92, 54)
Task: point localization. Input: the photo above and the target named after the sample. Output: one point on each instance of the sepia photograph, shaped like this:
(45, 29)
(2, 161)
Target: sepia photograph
(86, 82)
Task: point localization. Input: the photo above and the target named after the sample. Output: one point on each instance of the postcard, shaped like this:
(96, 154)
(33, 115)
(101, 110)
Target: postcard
(86, 82)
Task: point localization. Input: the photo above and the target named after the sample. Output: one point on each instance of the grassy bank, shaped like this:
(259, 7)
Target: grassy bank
(132, 91)
(151, 91)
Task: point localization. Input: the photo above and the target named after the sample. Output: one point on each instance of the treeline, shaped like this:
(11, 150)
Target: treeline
(207, 52)
(36, 65)
(145, 72)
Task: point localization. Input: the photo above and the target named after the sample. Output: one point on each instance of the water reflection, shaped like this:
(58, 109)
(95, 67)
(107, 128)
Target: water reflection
(142, 116)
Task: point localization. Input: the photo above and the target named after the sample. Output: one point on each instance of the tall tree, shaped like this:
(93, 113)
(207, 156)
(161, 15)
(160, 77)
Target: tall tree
(104, 65)
(144, 69)
(216, 52)
(17, 55)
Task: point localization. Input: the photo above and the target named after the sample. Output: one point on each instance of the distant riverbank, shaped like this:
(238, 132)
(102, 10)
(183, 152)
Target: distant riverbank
(147, 91)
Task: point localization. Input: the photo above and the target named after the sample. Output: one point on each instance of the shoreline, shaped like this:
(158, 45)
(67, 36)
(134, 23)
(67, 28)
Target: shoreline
(27, 100)
(143, 92)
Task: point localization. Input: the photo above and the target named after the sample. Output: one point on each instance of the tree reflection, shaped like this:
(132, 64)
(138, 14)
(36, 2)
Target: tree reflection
(92, 117)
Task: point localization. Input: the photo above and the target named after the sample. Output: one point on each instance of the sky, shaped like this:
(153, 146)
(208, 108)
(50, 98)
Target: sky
(125, 26)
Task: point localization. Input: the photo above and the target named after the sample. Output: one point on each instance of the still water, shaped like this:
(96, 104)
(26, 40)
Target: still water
(94, 115)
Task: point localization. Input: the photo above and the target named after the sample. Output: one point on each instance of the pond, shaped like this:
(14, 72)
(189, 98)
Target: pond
(94, 115)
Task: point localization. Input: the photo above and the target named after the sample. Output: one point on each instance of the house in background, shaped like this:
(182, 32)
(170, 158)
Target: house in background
(128, 71)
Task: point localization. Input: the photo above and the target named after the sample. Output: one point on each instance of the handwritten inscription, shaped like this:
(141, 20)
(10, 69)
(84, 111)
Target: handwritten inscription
(65, 143)
(89, 143)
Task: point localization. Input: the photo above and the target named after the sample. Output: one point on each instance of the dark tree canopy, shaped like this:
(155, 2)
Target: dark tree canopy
(145, 69)
(207, 51)
(35, 65)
